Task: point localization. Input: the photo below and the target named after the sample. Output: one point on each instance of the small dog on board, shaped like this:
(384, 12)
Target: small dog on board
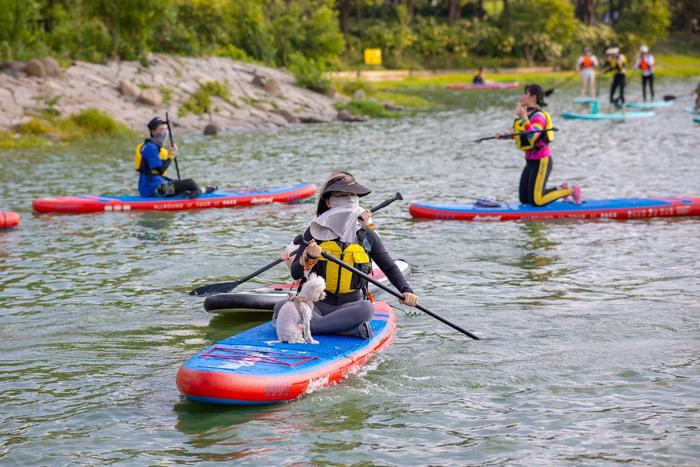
(294, 318)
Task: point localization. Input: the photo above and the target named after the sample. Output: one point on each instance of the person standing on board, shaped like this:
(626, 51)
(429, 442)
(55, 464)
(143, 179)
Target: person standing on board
(538, 161)
(586, 65)
(343, 229)
(152, 160)
(616, 62)
(645, 62)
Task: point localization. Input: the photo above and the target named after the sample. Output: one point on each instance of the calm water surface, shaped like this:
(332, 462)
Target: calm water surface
(591, 329)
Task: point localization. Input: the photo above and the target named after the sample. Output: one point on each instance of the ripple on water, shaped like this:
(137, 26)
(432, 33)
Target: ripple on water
(591, 329)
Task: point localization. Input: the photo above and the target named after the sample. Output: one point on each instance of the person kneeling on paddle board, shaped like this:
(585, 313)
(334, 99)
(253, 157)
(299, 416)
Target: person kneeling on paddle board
(152, 160)
(538, 161)
(478, 79)
(343, 229)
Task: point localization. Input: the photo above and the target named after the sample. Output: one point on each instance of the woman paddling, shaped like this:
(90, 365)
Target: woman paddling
(616, 62)
(645, 63)
(343, 229)
(538, 161)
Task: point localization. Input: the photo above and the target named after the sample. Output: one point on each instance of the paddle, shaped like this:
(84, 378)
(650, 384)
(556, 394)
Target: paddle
(172, 144)
(669, 97)
(549, 92)
(396, 294)
(223, 287)
(521, 133)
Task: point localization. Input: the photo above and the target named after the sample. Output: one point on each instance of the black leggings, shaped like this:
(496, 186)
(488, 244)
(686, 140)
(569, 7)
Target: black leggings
(178, 187)
(533, 183)
(618, 81)
(647, 79)
(335, 319)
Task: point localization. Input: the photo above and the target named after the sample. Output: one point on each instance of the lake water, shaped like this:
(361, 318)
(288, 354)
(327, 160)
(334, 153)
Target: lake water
(591, 330)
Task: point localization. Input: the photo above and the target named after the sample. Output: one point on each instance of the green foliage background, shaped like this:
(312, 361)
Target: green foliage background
(312, 35)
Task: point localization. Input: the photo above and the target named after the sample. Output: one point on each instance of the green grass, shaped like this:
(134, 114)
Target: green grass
(369, 108)
(45, 128)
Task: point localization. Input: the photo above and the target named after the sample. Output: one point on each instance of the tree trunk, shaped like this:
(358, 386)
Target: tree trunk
(344, 15)
(455, 11)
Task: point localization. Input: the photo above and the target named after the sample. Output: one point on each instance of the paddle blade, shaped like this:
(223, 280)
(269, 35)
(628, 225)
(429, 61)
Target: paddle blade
(669, 97)
(211, 289)
(549, 92)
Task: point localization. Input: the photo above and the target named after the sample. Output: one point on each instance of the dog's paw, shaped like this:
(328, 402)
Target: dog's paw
(312, 341)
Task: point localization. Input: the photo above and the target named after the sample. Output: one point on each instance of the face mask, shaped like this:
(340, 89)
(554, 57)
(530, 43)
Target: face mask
(352, 201)
(159, 138)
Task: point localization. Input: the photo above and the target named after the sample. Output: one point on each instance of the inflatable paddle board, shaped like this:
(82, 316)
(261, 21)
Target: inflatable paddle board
(623, 208)
(217, 199)
(477, 87)
(263, 299)
(691, 110)
(615, 116)
(585, 100)
(8, 219)
(252, 368)
(649, 105)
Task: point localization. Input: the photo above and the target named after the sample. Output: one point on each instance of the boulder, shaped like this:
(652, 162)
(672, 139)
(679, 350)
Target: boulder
(51, 67)
(359, 94)
(331, 92)
(35, 68)
(272, 86)
(391, 106)
(211, 129)
(287, 115)
(258, 80)
(12, 67)
(345, 116)
(129, 89)
(150, 97)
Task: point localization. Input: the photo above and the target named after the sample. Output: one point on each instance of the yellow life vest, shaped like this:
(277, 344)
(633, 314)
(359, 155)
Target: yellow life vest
(522, 142)
(140, 164)
(340, 280)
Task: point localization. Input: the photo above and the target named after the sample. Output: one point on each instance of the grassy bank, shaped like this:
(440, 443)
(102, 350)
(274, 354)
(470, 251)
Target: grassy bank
(46, 128)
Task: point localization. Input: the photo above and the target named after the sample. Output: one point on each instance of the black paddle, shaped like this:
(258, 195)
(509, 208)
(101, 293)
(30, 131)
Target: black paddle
(172, 145)
(223, 287)
(549, 92)
(669, 97)
(368, 278)
(521, 133)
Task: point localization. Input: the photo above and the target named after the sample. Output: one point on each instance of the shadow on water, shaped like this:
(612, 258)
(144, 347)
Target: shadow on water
(223, 326)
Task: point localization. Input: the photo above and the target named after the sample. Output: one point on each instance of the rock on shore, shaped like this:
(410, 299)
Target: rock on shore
(131, 93)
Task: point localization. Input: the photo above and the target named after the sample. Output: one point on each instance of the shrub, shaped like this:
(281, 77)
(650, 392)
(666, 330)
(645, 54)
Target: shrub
(200, 102)
(369, 108)
(308, 73)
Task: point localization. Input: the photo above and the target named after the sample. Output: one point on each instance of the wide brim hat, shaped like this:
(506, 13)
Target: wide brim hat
(612, 51)
(345, 187)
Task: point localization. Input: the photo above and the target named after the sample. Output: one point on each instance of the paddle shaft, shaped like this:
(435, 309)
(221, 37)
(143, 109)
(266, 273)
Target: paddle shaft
(396, 294)
(172, 144)
(521, 133)
(548, 92)
(223, 287)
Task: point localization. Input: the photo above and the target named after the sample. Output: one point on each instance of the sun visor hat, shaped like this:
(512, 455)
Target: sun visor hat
(155, 123)
(345, 187)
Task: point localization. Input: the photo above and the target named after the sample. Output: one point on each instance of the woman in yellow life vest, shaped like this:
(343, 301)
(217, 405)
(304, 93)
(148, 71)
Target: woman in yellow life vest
(616, 63)
(343, 229)
(538, 161)
(151, 161)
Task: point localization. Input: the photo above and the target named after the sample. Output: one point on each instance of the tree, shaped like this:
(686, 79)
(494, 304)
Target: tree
(644, 21)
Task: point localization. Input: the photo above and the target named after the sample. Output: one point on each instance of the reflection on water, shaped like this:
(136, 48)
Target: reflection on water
(591, 329)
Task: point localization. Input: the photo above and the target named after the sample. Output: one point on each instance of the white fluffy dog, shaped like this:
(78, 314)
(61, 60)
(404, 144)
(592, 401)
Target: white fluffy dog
(294, 318)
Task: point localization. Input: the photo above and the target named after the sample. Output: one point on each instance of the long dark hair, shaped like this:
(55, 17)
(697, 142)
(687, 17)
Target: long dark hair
(337, 176)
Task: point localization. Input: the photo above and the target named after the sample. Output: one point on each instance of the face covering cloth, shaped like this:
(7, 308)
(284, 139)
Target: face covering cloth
(340, 221)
